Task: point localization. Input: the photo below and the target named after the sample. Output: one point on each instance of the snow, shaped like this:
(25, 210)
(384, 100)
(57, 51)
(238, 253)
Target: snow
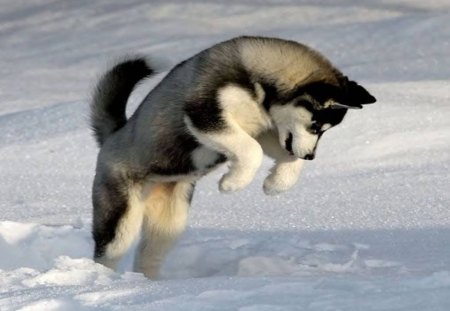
(366, 228)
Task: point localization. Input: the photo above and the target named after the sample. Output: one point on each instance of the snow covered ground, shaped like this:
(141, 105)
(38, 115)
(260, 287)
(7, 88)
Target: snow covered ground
(366, 228)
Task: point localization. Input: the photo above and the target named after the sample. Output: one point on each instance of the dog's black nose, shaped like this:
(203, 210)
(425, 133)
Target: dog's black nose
(309, 156)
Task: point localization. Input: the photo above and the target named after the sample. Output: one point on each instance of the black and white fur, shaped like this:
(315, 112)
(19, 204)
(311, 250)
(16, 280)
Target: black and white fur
(232, 102)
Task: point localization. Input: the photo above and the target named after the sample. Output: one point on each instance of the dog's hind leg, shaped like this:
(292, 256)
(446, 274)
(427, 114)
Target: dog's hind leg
(166, 210)
(117, 219)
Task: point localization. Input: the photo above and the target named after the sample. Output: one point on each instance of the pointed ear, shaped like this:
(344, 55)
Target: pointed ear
(357, 95)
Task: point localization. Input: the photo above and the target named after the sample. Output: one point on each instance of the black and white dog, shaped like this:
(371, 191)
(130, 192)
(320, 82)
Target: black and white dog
(233, 102)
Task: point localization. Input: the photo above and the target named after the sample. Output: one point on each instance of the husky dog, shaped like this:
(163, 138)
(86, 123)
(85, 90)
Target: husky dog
(233, 102)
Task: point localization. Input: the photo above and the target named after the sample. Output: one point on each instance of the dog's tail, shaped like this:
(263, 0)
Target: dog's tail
(110, 96)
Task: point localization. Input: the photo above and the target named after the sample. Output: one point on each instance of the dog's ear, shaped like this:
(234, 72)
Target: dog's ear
(358, 96)
(353, 96)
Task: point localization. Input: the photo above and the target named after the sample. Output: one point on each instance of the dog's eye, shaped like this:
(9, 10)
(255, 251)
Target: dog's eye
(315, 128)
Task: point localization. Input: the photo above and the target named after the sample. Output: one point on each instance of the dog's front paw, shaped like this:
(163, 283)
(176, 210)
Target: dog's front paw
(231, 183)
(274, 185)
(283, 177)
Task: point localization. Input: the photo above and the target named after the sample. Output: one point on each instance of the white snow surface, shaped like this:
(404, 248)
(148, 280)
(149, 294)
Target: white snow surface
(366, 228)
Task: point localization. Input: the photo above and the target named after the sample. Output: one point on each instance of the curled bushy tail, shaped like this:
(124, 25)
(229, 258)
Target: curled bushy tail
(111, 94)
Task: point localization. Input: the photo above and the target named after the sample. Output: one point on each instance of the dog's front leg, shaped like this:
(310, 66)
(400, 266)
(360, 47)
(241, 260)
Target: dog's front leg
(286, 171)
(283, 175)
(244, 153)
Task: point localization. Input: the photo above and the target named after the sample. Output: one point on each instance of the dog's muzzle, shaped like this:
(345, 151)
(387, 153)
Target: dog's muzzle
(288, 147)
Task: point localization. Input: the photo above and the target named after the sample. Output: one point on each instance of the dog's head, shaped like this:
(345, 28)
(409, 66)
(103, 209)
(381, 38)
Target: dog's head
(306, 113)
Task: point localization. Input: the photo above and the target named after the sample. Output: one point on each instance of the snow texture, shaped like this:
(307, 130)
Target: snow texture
(366, 228)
